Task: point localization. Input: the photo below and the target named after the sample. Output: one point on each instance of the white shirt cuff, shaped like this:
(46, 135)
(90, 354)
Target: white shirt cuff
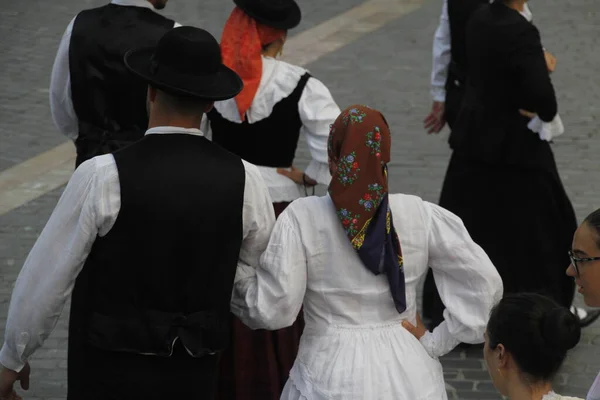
(547, 130)
(439, 342)
(438, 94)
(319, 172)
(9, 360)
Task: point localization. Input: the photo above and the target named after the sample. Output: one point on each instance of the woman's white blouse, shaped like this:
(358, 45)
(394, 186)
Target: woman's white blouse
(317, 109)
(353, 345)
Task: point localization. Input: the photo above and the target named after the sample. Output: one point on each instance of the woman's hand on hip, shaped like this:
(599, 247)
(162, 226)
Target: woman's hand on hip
(417, 331)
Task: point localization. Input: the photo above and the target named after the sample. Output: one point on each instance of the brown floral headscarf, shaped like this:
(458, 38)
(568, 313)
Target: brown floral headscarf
(359, 145)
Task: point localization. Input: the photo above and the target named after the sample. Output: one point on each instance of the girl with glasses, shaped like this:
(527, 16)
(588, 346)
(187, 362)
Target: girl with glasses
(585, 268)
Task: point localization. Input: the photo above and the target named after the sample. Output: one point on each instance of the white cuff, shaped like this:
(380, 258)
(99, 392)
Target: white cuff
(427, 342)
(9, 360)
(438, 93)
(439, 342)
(319, 172)
(547, 130)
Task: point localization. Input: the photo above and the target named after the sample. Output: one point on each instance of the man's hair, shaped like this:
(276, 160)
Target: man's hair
(182, 104)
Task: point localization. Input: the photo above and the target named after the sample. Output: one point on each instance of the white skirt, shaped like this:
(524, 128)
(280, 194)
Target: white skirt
(291, 392)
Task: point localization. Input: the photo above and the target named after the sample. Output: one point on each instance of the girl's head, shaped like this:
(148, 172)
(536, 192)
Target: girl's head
(585, 259)
(527, 339)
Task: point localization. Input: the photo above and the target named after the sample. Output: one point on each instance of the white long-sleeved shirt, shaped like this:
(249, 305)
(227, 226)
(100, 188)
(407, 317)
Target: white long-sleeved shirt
(88, 208)
(61, 103)
(441, 53)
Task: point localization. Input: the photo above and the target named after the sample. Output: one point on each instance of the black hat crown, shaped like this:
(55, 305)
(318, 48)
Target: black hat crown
(280, 14)
(186, 62)
(187, 50)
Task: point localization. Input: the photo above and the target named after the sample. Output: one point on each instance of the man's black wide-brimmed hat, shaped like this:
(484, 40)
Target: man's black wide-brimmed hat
(186, 62)
(279, 14)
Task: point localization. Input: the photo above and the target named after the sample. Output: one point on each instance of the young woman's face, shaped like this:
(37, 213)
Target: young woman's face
(586, 273)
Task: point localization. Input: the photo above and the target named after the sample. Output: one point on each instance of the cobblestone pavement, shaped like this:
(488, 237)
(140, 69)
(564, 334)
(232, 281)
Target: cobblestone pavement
(388, 69)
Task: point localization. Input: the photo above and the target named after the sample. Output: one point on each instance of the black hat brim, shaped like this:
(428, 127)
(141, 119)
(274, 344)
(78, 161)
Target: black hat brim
(292, 20)
(222, 85)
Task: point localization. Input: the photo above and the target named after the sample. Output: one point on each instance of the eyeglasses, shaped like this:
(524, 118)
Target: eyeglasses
(575, 260)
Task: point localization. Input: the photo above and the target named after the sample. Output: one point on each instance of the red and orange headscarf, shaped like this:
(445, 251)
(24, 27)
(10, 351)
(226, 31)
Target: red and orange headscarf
(241, 47)
(360, 146)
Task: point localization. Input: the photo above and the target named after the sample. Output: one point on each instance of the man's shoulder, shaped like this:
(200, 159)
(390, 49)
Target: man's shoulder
(100, 169)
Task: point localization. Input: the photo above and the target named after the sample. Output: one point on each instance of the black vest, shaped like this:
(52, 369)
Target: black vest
(459, 12)
(270, 142)
(164, 273)
(110, 102)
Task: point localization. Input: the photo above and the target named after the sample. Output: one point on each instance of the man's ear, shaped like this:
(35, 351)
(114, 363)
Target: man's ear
(502, 355)
(209, 106)
(151, 94)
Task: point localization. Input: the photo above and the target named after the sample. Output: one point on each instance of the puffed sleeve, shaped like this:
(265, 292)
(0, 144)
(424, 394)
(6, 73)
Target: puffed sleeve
(318, 111)
(468, 283)
(270, 296)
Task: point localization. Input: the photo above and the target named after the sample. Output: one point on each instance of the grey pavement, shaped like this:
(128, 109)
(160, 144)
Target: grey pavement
(388, 69)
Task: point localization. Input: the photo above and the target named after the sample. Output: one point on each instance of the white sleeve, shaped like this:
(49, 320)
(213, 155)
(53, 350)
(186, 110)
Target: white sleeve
(441, 56)
(88, 207)
(318, 111)
(467, 281)
(61, 103)
(258, 220)
(271, 296)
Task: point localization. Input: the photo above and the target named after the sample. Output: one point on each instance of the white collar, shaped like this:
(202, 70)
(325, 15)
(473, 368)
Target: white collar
(135, 3)
(279, 80)
(166, 130)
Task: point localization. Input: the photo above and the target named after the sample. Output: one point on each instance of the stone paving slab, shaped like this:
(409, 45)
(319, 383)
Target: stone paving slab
(387, 69)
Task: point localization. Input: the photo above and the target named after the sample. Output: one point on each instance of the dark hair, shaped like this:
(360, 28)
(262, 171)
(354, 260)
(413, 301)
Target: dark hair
(536, 331)
(183, 104)
(593, 220)
(265, 47)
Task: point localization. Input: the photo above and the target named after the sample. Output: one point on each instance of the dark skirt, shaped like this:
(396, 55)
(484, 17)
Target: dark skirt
(521, 217)
(258, 363)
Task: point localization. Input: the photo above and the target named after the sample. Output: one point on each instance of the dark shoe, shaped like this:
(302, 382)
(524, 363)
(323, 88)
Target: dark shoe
(589, 319)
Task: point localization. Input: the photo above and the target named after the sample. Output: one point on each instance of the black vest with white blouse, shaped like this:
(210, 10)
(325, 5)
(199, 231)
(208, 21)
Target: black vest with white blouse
(163, 275)
(271, 142)
(110, 102)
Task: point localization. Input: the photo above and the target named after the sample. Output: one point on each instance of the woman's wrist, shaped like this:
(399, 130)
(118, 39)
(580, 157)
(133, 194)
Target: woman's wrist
(308, 181)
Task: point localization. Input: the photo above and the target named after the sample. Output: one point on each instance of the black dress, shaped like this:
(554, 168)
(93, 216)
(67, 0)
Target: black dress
(502, 178)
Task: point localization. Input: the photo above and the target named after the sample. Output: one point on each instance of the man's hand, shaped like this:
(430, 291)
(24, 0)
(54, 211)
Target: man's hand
(436, 120)
(8, 378)
(527, 114)
(550, 61)
(417, 331)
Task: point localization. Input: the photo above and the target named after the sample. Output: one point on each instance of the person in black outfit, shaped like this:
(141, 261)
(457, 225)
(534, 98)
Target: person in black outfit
(502, 178)
(447, 89)
(95, 101)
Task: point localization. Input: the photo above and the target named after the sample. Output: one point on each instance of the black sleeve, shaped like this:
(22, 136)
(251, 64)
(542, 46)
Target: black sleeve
(531, 72)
